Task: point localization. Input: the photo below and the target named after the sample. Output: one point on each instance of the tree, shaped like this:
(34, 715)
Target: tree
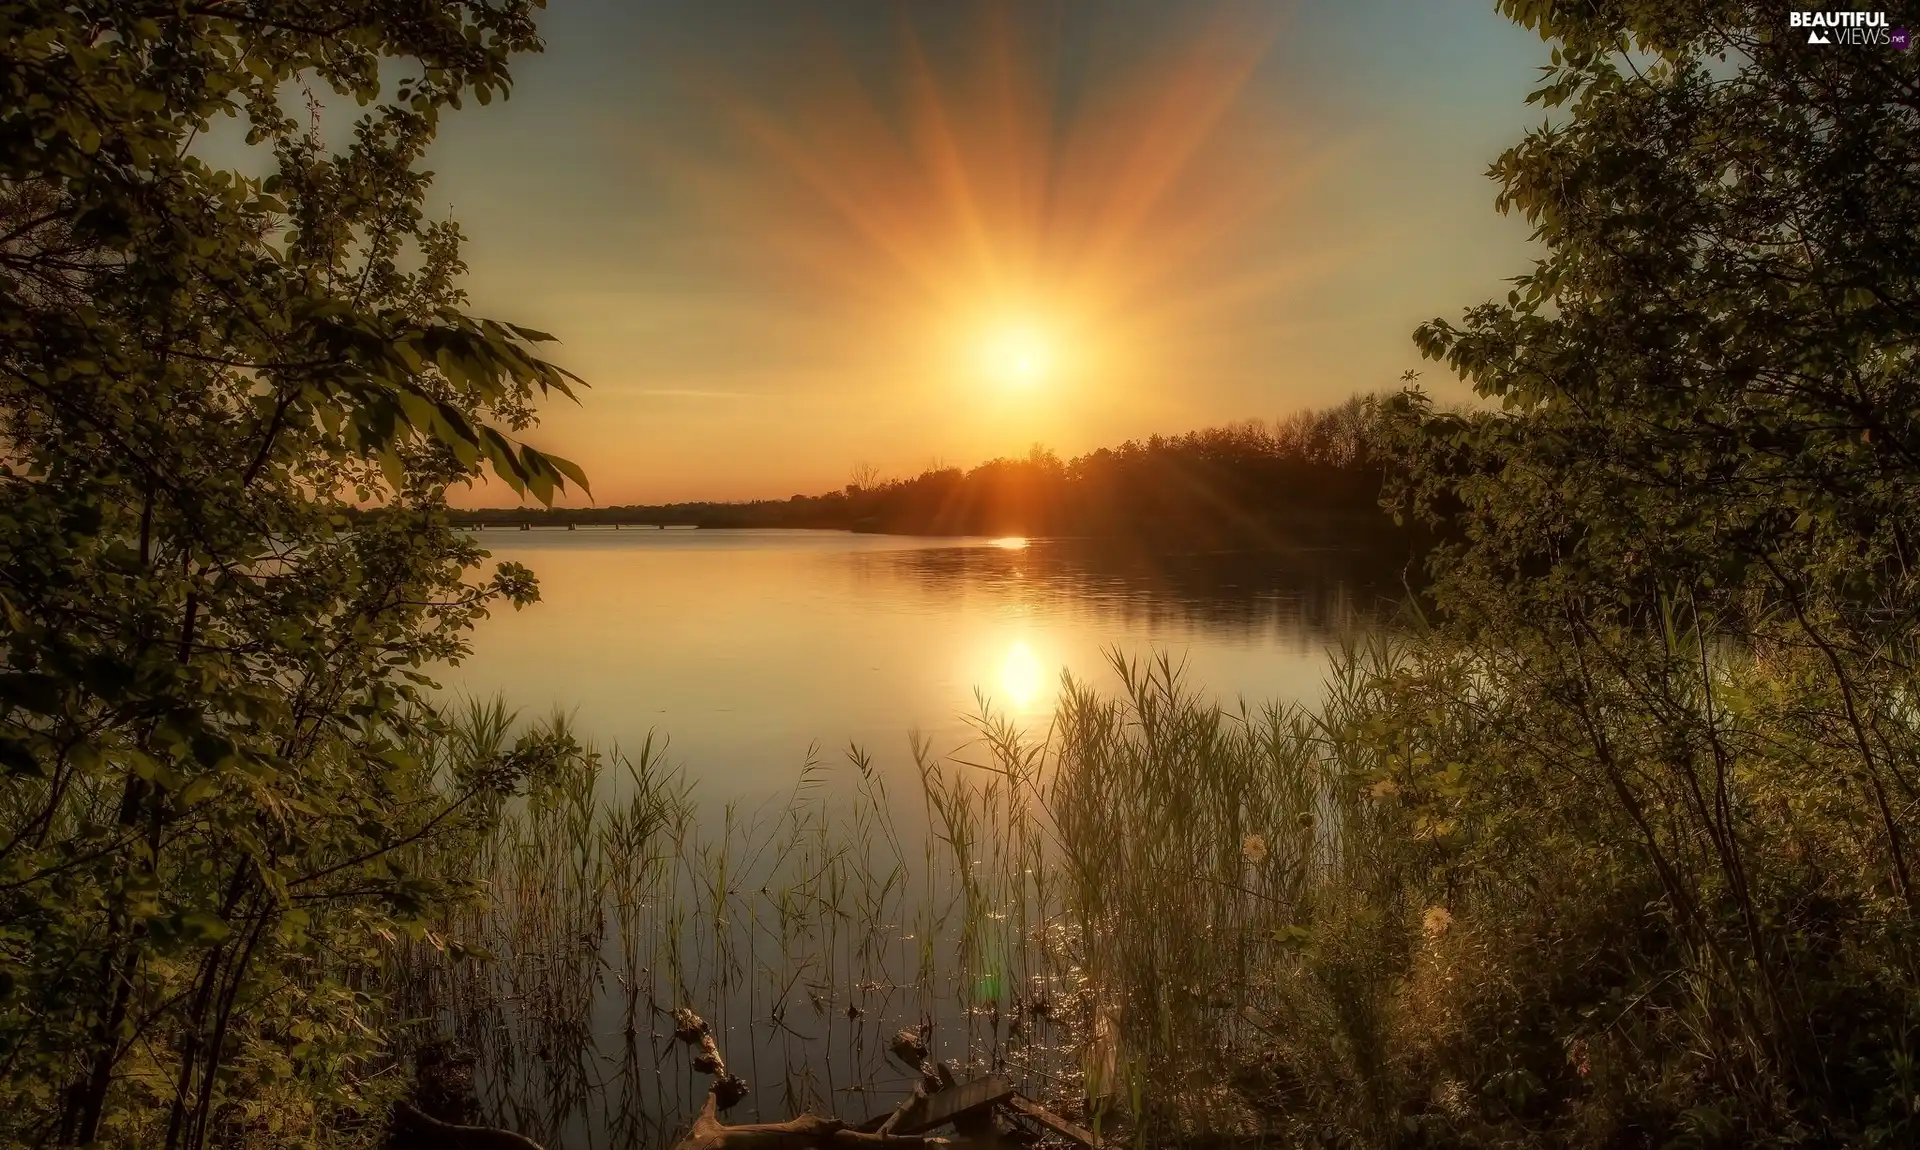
(1687, 566)
(210, 675)
(1712, 370)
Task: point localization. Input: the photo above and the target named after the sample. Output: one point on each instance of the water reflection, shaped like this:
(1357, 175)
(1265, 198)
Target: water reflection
(816, 927)
(1236, 595)
(1022, 677)
(746, 648)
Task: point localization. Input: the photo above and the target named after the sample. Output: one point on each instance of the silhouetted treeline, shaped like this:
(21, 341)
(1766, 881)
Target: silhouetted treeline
(1308, 479)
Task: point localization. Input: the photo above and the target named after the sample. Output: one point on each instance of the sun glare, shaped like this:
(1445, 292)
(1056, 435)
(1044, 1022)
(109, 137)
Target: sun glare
(1021, 676)
(990, 230)
(1019, 355)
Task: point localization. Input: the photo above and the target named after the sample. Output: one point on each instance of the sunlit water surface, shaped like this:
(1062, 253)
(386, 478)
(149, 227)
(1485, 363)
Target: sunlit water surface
(809, 937)
(748, 649)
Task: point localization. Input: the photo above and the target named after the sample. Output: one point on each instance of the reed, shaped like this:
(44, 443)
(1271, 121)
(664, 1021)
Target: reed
(1110, 910)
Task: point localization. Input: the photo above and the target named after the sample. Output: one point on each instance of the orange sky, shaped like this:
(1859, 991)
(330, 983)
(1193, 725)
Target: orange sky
(783, 240)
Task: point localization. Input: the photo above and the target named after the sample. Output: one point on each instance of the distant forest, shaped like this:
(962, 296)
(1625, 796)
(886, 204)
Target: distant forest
(1306, 479)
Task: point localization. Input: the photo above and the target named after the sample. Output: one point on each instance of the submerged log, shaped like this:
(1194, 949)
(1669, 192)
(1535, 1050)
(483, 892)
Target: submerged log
(937, 1100)
(1026, 1107)
(807, 1132)
(953, 1104)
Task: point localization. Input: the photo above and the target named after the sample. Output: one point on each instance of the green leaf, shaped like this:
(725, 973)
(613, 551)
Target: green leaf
(394, 470)
(571, 470)
(1292, 936)
(201, 927)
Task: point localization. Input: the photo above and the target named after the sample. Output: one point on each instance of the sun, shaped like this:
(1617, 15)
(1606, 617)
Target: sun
(996, 238)
(1018, 354)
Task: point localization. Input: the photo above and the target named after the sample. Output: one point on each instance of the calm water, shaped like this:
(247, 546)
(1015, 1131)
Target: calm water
(809, 931)
(747, 648)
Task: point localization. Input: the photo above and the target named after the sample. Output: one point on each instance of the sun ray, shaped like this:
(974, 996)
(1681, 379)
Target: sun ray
(924, 203)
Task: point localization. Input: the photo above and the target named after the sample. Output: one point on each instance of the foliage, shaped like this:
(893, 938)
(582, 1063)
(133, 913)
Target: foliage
(1671, 722)
(207, 680)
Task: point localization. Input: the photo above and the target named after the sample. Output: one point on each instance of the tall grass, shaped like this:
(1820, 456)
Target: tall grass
(1202, 849)
(1113, 911)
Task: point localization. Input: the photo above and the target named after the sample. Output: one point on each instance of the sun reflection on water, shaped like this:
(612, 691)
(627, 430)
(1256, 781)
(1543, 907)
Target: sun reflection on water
(1011, 543)
(1022, 677)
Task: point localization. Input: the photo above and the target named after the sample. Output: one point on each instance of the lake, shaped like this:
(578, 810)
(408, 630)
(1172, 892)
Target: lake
(810, 921)
(748, 648)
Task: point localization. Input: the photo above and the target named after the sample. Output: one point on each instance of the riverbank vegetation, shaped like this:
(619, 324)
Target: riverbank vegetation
(1612, 844)
(206, 682)
(1442, 908)
(1311, 479)
(1003, 907)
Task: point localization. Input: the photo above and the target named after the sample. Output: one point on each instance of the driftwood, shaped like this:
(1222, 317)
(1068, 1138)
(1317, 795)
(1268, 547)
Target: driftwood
(953, 1104)
(693, 1030)
(1022, 1105)
(910, 1046)
(807, 1132)
(977, 1110)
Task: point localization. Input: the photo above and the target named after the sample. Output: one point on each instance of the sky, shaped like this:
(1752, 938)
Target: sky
(783, 240)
